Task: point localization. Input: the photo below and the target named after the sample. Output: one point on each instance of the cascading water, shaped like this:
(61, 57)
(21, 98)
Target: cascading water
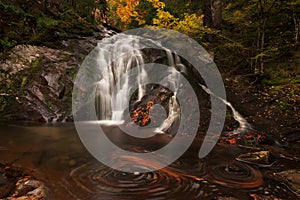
(112, 95)
(118, 57)
(122, 54)
(173, 78)
(243, 124)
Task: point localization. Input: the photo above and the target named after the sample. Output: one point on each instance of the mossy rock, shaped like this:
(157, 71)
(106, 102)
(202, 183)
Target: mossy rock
(292, 177)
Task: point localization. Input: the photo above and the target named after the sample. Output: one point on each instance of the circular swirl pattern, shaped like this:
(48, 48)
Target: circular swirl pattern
(97, 181)
(237, 175)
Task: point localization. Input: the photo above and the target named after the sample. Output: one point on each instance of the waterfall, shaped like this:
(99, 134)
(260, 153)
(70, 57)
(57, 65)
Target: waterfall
(118, 58)
(173, 78)
(122, 54)
(243, 124)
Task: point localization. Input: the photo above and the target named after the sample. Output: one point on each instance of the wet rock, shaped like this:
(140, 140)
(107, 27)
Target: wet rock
(291, 177)
(38, 83)
(260, 158)
(262, 197)
(8, 178)
(15, 185)
(226, 198)
(142, 112)
(29, 189)
(249, 138)
(20, 58)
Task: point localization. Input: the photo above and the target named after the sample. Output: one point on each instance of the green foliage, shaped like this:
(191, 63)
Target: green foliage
(229, 115)
(5, 43)
(14, 17)
(255, 35)
(34, 21)
(3, 102)
(45, 22)
(7, 7)
(283, 71)
(24, 81)
(147, 10)
(264, 31)
(183, 21)
(36, 62)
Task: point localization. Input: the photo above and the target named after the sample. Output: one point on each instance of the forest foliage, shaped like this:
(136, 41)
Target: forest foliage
(259, 37)
(255, 36)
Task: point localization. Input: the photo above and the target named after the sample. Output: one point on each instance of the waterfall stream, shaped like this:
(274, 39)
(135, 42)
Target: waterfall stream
(243, 124)
(109, 104)
(124, 53)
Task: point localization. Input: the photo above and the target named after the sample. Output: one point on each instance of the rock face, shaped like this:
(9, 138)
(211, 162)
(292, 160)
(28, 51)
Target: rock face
(16, 185)
(292, 177)
(36, 82)
(29, 189)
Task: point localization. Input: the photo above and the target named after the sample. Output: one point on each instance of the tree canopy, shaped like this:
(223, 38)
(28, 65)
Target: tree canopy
(252, 35)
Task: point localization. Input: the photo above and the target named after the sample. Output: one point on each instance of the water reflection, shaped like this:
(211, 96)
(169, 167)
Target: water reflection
(55, 155)
(101, 182)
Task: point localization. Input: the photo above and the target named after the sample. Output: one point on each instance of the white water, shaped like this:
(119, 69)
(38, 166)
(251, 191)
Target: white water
(121, 56)
(118, 58)
(173, 78)
(243, 124)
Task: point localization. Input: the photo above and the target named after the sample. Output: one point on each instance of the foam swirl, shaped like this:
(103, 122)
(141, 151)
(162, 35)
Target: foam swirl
(97, 181)
(237, 175)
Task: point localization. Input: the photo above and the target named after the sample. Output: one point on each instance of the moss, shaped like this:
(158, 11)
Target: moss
(11, 8)
(276, 81)
(24, 81)
(6, 43)
(3, 102)
(229, 115)
(46, 22)
(297, 80)
(293, 178)
(283, 71)
(65, 57)
(30, 22)
(284, 106)
(49, 105)
(296, 187)
(36, 62)
(23, 84)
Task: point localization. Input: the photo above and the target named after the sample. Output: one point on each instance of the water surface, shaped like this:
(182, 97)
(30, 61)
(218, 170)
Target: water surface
(54, 154)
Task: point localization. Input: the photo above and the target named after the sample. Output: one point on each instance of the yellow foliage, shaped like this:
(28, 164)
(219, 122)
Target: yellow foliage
(125, 11)
(191, 24)
(238, 15)
(164, 18)
(157, 4)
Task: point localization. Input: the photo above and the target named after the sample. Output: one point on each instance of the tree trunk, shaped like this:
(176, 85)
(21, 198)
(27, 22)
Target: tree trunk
(297, 28)
(264, 12)
(206, 8)
(216, 12)
(262, 46)
(212, 10)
